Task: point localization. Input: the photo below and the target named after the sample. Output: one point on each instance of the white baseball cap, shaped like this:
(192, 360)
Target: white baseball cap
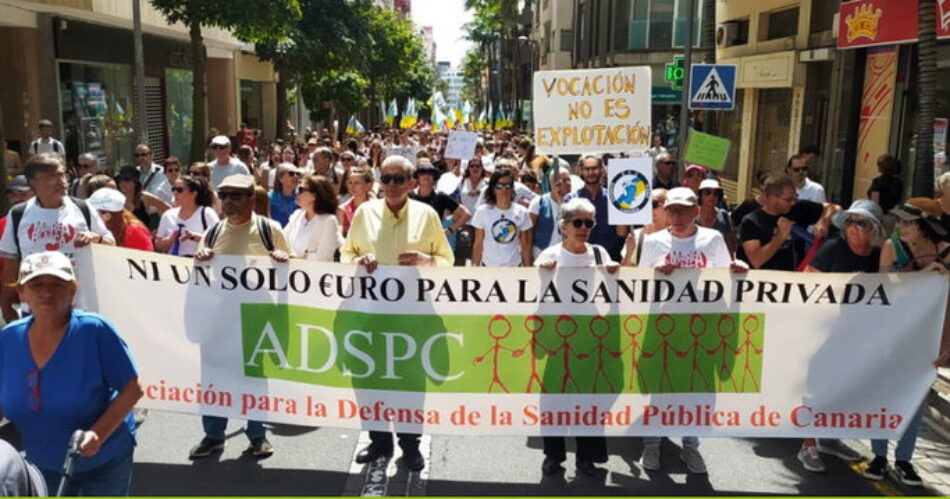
(682, 196)
(51, 263)
(107, 199)
(221, 140)
(710, 183)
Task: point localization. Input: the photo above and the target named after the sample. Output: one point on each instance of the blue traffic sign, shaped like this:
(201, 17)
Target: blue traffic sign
(712, 86)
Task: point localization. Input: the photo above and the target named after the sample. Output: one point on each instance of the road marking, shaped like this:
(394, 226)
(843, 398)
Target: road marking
(882, 486)
(375, 479)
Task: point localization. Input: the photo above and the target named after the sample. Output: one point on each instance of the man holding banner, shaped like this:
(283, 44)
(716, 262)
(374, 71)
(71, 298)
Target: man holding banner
(395, 230)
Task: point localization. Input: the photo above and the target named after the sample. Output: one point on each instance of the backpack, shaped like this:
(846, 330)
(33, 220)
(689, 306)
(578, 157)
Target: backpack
(16, 214)
(263, 228)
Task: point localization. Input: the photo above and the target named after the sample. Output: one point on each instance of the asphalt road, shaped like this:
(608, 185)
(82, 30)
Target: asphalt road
(318, 461)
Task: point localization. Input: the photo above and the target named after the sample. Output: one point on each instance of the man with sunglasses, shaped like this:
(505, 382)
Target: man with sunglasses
(242, 232)
(807, 190)
(664, 171)
(224, 165)
(87, 164)
(395, 230)
(152, 175)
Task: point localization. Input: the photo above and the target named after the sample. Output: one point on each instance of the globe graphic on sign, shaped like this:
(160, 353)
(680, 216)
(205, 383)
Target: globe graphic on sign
(628, 191)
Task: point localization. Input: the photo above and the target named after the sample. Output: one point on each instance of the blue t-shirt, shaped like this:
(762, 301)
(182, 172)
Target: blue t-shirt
(281, 206)
(77, 384)
(603, 234)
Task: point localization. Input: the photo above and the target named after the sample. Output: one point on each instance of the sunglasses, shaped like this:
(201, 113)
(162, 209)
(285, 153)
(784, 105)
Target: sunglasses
(86, 165)
(397, 179)
(178, 190)
(801, 169)
(172, 170)
(347, 159)
(224, 195)
(657, 204)
(708, 192)
(859, 223)
(33, 384)
(578, 223)
(504, 185)
(142, 154)
(301, 190)
(666, 162)
(216, 146)
(292, 173)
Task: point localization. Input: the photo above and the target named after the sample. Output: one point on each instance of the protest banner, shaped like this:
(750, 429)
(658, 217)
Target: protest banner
(470, 350)
(461, 145)
(408, 152)
(628, 190)
(707, 150)
(602, 110)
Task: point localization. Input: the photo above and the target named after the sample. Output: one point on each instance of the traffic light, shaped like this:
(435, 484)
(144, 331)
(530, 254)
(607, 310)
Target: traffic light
(675, 72)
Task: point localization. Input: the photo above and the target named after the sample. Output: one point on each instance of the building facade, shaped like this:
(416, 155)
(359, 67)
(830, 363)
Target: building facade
(552, 33)
(74, 65)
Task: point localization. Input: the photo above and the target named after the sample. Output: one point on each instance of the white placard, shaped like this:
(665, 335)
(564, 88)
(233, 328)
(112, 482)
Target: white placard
(408, 152)
(628, 191)
(602, 110)
(461, 145)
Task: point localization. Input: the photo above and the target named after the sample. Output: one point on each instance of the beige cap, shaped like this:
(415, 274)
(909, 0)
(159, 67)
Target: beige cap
(238, 181)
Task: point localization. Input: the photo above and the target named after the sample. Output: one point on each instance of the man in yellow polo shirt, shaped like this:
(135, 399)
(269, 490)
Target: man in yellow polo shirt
(395, 230)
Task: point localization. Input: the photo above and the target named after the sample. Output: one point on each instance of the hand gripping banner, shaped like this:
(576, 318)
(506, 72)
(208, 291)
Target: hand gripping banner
(524, 351)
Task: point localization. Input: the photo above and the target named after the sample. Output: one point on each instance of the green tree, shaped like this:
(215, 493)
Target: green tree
(926, 98)
(249, 20)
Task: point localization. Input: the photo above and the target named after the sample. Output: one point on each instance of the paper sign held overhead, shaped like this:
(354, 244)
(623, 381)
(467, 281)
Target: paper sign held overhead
(707, 150)
(461, 145)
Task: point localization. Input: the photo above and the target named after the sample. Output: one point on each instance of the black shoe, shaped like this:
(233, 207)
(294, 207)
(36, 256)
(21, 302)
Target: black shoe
(904, 472)
(207, 447)
(371, 452)
(876, 469)
(586, 467)
(413, 460)
(551, 466)
(260, 447)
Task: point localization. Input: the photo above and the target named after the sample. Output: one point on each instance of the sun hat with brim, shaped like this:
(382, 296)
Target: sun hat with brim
(864, 208)
(916, 209)
(108, 200)
(680, 196)
(710, 183)
(51, 263)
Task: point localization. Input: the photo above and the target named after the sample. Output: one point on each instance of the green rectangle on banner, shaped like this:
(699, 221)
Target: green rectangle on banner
(707, 150)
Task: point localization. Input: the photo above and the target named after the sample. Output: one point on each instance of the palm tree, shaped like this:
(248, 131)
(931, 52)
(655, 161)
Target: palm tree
(923, 184)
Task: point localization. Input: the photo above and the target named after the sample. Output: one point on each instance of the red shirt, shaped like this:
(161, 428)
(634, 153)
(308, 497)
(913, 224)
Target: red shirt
(137, 237)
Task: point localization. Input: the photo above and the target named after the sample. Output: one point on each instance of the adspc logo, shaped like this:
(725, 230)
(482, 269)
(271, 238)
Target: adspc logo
(504, 230)
(629, 191)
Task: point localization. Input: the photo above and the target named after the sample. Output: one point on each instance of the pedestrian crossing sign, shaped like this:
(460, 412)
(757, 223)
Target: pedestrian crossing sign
(712, 86)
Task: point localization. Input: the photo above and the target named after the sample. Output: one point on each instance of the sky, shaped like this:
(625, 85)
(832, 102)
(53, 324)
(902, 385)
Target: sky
(446, 18)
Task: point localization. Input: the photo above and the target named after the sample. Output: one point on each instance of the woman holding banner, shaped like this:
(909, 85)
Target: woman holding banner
(64, 370)
(501, 226)
(576, 220)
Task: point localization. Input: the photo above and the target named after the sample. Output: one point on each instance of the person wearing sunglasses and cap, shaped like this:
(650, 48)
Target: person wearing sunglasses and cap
(712, 216)
(858, 249)
(683, 244)
(224, 165)
(63, 369)
(395, 230)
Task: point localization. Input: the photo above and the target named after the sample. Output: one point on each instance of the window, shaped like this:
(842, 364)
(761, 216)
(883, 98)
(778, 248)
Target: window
(639, 24)
(655, 24)
(567, 40)
(682, 18)
(782, 24)
(661, 23)
(822, 15)
(583, 43)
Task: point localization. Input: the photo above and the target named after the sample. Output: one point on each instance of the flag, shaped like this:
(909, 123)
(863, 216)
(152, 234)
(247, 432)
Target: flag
(490, 119)
(354, 127)
(466, 112)
(382, 109)
(409, 117)
(482, 120)
(391, 112)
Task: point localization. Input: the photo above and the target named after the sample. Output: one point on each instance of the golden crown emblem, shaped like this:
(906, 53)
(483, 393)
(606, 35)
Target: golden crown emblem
(863, 22)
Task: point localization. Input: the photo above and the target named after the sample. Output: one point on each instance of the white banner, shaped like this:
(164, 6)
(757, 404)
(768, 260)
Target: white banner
(461, 145)
(629, 182)
(468, 350)
(592, 110)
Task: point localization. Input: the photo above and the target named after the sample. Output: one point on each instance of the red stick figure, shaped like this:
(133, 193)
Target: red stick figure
(533, 324)
(599, 348)
(495, 348)
(665, 346)
(725, 369)
(634, 346)
(747, 345)
(567, 348)
(696, 332)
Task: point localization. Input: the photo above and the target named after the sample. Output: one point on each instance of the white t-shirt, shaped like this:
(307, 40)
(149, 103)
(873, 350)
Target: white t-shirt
(500, 246)
(469, 201)
(534, 208)
(50, 229)
(565, 258)
(704, 249)
(221, 172)
(171, 219)
(812, 191)
(317, 239)
(40, 146)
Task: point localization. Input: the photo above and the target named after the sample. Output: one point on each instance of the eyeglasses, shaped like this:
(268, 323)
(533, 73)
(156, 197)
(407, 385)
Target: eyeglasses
(476, 165)
(301, 190)
(504, 185)
(292, 173)
(397, 179)
(33, 384)
(578, 223)
(216, 146)
(87, 165)
(666, 162)
(859, 223)
(800, 169)
(708, 192)
(178, 190)
(225, 195)
(142, 154)
(347, 159)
